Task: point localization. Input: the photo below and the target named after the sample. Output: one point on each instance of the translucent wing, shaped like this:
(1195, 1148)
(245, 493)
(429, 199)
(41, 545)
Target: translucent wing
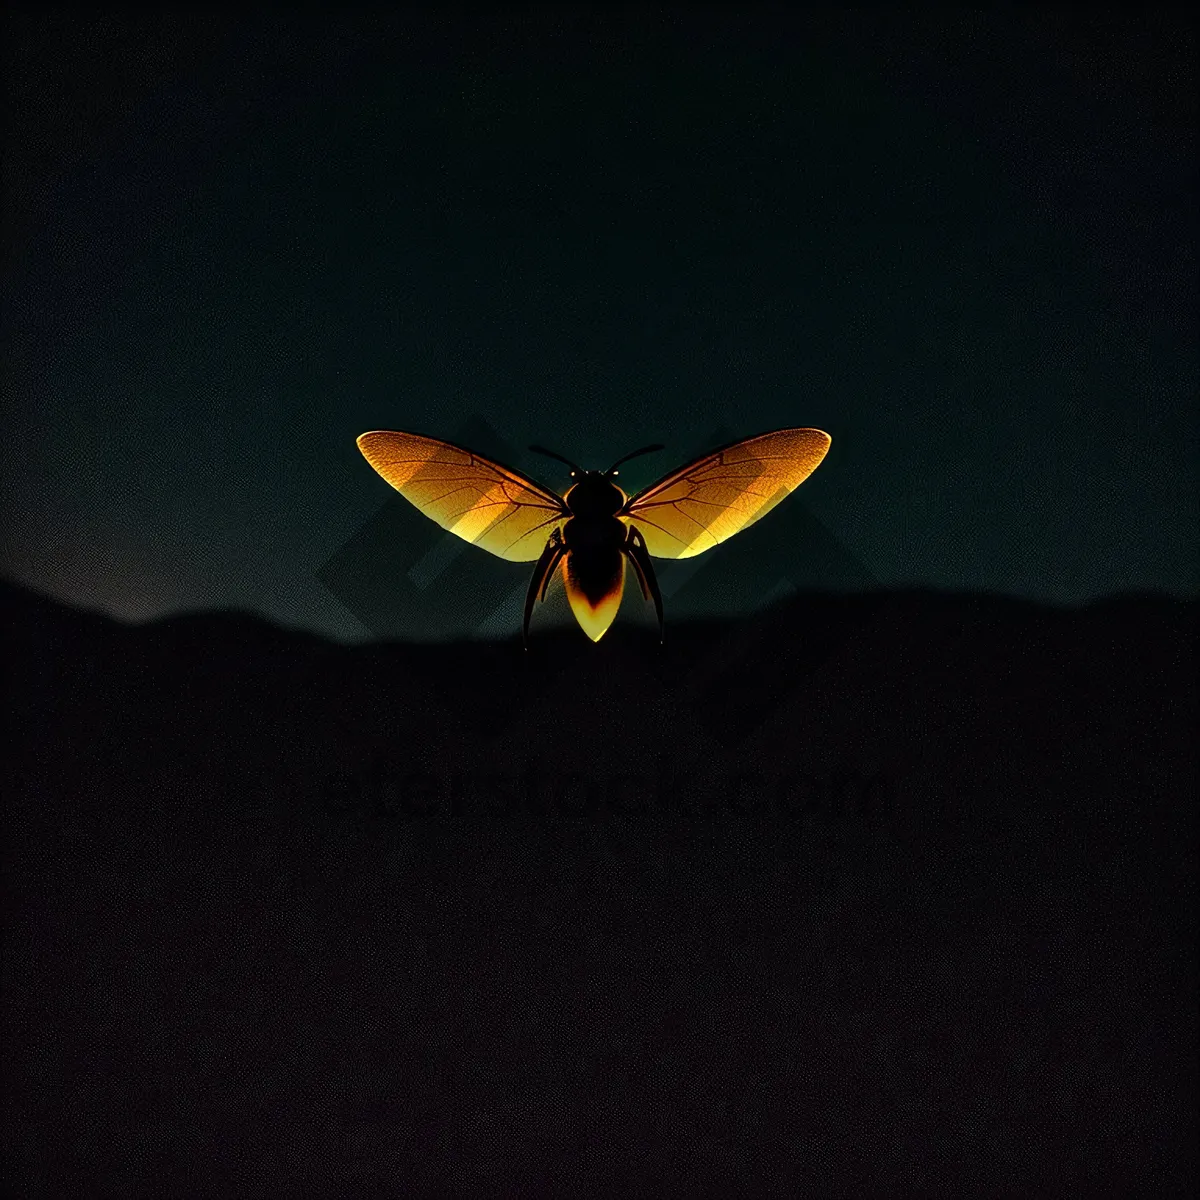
(700, 505)
(490, 506)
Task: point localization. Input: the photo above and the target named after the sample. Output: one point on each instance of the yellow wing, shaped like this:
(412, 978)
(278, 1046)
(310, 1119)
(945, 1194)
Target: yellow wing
(490, 506)
(701, 505)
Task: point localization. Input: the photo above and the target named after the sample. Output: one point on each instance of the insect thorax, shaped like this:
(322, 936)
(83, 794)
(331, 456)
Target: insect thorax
(594, 534)
(594, 496)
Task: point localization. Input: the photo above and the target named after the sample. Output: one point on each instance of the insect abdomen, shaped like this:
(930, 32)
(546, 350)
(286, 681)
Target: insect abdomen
(594, 571)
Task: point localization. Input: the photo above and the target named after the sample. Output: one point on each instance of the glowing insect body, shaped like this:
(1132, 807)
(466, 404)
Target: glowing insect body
(590, 532)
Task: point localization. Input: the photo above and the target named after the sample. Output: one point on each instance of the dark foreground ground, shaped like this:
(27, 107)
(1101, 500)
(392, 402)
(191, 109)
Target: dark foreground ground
(878, 896)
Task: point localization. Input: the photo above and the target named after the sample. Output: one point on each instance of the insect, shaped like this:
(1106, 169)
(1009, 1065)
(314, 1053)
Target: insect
(591, 530)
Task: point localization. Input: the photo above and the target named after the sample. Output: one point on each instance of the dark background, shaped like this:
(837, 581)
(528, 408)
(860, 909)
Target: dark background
(962, 244)
(884, 888)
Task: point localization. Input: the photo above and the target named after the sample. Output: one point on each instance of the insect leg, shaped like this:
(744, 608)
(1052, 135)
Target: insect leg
(549, 575)
(541, 577)
(635, 548)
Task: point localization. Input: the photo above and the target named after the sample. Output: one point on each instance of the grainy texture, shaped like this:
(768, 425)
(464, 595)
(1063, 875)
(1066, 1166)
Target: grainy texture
(889, 895)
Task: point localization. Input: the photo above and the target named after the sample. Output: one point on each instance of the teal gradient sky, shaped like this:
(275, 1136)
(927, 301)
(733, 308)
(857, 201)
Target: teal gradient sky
(964, 246)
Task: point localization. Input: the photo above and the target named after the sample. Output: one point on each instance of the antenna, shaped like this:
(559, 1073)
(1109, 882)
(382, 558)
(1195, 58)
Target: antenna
(633, 454)
(550, 454)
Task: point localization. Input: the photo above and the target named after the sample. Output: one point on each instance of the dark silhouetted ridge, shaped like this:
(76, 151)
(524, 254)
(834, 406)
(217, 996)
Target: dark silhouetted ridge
(876, 894)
